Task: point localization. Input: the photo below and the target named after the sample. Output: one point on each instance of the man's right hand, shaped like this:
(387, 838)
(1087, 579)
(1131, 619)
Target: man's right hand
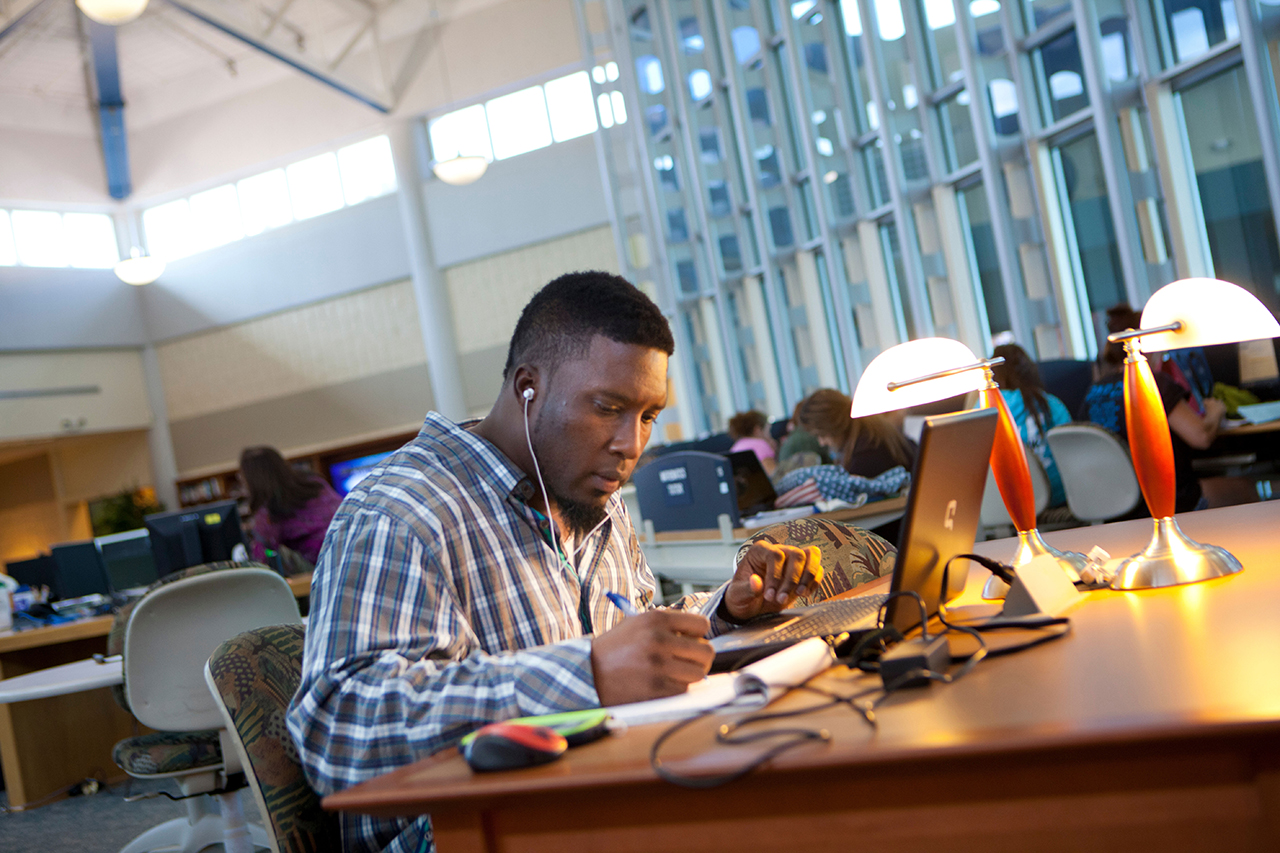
(654, 654)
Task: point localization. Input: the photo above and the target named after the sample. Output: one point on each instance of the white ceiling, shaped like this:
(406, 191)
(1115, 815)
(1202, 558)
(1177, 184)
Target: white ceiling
(172, 63)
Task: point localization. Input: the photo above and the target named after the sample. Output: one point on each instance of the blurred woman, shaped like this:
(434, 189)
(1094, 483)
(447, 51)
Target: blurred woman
(290, 507)
(866, 446)
(750, 431)
(1034, 410)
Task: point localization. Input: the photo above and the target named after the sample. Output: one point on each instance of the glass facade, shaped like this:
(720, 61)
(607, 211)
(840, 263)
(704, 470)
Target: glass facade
(819, 180)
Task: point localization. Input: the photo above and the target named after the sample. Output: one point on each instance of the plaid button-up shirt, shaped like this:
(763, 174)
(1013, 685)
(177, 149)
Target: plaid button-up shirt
(438, 605)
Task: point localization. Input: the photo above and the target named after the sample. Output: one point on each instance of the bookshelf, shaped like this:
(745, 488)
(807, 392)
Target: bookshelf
(224, 484)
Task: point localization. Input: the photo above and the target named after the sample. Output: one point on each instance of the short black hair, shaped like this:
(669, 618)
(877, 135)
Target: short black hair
(561, 319)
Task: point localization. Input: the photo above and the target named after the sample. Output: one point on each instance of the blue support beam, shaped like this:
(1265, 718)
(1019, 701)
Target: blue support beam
(106, 78)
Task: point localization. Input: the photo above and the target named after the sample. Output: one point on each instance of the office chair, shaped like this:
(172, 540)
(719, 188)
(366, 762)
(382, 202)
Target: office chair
(994, 516)
(253, 677)
(851, 556)
(170, 633)
(1096, 472)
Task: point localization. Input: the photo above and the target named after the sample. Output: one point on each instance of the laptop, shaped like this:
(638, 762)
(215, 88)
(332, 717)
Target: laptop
(941, 521)
(753, 487)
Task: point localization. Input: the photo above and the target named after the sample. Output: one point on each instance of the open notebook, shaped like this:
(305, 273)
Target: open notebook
(751, 687)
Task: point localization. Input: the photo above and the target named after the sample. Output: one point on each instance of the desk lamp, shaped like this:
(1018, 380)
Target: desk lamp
(1192, 312)
(932, 369)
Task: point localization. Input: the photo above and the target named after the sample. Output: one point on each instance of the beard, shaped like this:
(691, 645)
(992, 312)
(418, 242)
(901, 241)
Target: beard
(580, 517)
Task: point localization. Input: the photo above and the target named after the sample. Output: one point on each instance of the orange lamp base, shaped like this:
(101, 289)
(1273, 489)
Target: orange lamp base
(1013, 478)
(1170, 558)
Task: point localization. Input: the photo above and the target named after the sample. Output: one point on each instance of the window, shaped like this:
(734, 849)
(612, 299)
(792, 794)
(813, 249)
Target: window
(367, 170)
(1226, 152)
(215, 217)
(91, 240)
(518, 122)
(264, 202)
(570, 107)
(252, 205)
(8, 253)
(1062, 86)
(461, 133)
(46, 238)
(314, 186)
(39, 238)
(168, 229)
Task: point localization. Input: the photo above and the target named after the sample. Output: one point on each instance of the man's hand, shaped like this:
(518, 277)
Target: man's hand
(658, 653)
(769, 577)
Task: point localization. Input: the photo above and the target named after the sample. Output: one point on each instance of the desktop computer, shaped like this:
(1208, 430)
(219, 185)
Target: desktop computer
(193, 536)
(128, 560)
(79, 570)
(36, 572)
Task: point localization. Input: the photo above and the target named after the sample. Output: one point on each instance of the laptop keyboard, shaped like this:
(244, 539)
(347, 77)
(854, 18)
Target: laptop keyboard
(831, 617)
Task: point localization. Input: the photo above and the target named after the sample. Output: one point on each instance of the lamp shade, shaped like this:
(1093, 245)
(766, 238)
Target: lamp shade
(1211, 311)
(460, 170)
(140, 269)
(112, 12)
(913, 360)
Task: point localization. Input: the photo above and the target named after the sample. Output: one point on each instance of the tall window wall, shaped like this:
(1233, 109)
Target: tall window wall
(826, 178)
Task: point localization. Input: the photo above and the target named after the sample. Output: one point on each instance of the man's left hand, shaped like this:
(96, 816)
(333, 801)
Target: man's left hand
(769, 577)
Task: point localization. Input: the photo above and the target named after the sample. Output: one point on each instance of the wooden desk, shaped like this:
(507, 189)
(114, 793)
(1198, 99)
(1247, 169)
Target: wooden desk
(706, 556)
(47, 744)
(1154, 726)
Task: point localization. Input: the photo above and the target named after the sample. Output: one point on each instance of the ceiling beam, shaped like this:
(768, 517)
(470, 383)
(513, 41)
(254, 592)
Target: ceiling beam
(306, 68)
(106, 90)
(6, 29)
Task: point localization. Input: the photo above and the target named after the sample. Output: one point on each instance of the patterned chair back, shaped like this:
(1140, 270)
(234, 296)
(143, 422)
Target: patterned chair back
(254, 677)
(851, 556)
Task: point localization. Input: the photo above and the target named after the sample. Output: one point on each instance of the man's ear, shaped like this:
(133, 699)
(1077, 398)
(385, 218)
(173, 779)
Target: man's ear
(526, 383)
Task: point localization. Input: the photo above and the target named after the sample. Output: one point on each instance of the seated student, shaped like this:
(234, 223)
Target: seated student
(750, 431)
(866, 446)
(799, 440)
(1034, 410)
(464, 582)
(1104, 406)
(290, 507)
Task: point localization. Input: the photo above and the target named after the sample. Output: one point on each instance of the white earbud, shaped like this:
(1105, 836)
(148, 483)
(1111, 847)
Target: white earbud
(528, 394)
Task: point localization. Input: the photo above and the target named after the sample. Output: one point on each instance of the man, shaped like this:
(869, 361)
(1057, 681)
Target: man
(464, 580)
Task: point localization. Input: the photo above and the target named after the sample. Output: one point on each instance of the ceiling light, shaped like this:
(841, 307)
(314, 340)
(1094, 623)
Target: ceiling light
(139, 269)
(112, 12)
(460, 170)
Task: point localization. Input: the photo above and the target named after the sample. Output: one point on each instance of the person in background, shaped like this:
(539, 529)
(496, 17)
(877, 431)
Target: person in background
(1104, 406)
(1034, 410)
(750, 431)
(799, 440)
(290, 507)
(866, 446)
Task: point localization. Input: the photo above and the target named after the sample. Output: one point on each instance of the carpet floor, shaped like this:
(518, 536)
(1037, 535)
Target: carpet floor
(100, 822)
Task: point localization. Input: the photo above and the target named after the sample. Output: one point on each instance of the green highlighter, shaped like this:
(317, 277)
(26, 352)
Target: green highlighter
(576, 727)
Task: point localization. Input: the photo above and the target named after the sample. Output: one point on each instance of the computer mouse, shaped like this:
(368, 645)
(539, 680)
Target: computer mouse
(506, 746)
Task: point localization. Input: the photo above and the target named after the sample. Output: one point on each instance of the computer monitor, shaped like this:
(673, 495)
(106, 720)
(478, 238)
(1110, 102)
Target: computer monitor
(344, 475)
(128, 559)
(38, 571)
(193, 536)
(79, 570)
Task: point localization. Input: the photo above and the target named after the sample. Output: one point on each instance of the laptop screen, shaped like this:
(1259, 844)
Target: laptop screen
(755, 490)
(942, 511)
